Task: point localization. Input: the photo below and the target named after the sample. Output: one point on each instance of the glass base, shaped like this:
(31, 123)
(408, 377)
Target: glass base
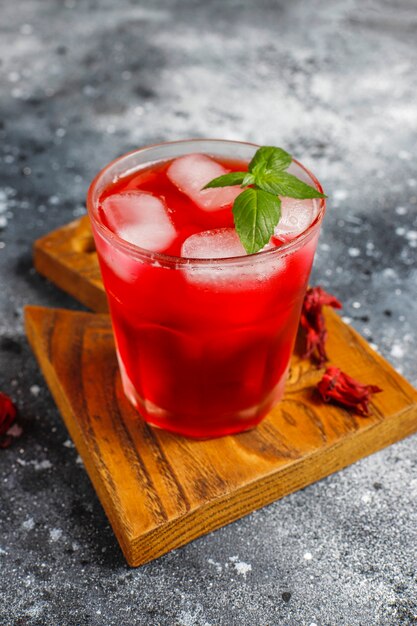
(188, 426)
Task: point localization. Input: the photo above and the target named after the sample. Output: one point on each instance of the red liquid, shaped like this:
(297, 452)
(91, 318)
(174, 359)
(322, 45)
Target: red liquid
(198, 356)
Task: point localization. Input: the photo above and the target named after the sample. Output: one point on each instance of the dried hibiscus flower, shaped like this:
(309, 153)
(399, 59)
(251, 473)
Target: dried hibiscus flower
(8, 430)
(339, 387)
(313, 322)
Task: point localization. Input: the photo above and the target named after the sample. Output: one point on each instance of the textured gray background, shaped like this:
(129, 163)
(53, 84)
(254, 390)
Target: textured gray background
(335, 83)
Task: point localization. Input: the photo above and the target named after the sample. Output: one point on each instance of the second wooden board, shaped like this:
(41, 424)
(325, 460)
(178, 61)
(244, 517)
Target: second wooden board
(67, 256)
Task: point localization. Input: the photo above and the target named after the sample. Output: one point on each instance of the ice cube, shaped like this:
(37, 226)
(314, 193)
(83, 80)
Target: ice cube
(140, 218)
(220, 243)
(191, 172)
(296, 217)
(224, 243)
(124, 265)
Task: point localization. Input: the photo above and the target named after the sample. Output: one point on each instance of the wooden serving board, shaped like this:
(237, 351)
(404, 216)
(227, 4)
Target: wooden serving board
(160, 490)
(67, 256)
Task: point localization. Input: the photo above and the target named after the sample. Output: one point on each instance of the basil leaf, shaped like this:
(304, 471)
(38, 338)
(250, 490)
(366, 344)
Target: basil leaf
(287, 185)
(269, 158)
(248, 180)
(256, 214)
(227, 180)
(257, 210)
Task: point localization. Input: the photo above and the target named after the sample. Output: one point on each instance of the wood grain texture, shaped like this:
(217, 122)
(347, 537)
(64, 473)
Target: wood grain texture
(161, 491)
(67, 256)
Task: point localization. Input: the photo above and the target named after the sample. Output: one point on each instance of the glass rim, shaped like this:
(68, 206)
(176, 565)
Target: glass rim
(171, 260)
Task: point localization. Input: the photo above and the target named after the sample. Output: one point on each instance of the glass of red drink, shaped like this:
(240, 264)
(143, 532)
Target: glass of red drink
(204, 332)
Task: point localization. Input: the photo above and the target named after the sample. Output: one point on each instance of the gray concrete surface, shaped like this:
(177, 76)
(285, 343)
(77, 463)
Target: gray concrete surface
(335, 83)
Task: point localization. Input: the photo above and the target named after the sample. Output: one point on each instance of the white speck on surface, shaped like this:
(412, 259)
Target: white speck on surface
(397, 351)
(38, 608)
(404, 155)
(356, 305)
(340, 194)
(28, 524)
(41, 465)
(308, 556)
(191, 616)
(346, 320)
(13, 77)
(352, 219)
(78, 211)
(400, 231)
(55, 534)
(89, 90)
(35, 390)
(3, 552)
(388, 272)
(321, 85)
(366, 498)
(68, 444)
(354, 252)
(242, 568)
(401, 210)
(217, 565)
(79, 460)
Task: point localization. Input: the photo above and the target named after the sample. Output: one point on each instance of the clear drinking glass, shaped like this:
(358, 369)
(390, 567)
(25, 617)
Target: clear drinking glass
(203, 345)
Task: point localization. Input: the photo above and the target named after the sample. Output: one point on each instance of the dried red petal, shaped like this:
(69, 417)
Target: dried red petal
(7, 413)
(7, 417)
(339, 387)
(313, 322)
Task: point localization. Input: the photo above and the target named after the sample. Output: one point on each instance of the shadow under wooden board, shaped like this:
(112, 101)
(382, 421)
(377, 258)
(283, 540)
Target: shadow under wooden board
(161, 491)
